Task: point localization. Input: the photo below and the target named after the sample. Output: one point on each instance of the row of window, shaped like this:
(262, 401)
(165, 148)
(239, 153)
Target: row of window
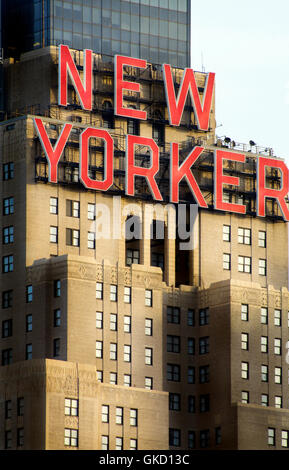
(113, 324)
(264, 373)
(8, 407)
(174, 316)
(126, 295)
(174, 344)
(7, 353)
(174, 373)
(118, 443)
(204, 436)
(278, 402)
(245, 264)
(264, 315)
(148, 383)
(264, 344)
(7, 296)
(133, 415)
(175, 403)
(272, 437)
(7, 325)
(245, 236)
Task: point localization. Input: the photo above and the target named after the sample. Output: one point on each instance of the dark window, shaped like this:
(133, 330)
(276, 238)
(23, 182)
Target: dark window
(191, 317)
(191, 440)
(204, 438)
(204, 316)
(57, 317)
(7, 264)
(29, 293)
(173, 344)
(6, 328)
(8, 439)
(173, 315)
(8, 171)
(133, 126)
(20, 406)
(218, 436)
(175, 401)
(6, 357)
(191, 346)
(204, 403)
(204, 344)
(204, 374)
(20, 437)
(8, 235)
(173, 372)
(8, 409)
(191, 404)
(7, 297)
(191, 375)
(28, 323)
(57, 288)
(8, 206)
(56, 347)
(28, 354)
(174, 437)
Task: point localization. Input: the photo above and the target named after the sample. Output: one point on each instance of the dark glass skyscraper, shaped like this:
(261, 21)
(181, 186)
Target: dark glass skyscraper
(155, 30)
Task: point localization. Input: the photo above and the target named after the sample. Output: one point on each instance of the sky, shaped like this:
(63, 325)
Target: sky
(246, 44)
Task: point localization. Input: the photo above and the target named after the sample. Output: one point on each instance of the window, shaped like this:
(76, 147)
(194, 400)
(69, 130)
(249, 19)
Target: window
(245, 370)
(174, 401)
(20, 437)
(278, 375)
(8, 206)
(29, 293)
(284, 438)
(113, 293)
(133, 444)
(264, 373)
(99, 290)
(173, 315)
(99, 374)
(8, 171)
(277, 317)
(264, 315)
(204, 374)
(278, 402)
(148, 327)
(113, 322)
(271, 436)
(226, 261)
(71, 437)
(56, 347)
(226, 233)
(133, 126)
(174, 437)
(218, 436)
(132, 256)
(119, 415)
(104, 443)
(8, 235)
(91, 240)
(127, 353)
(6, 357)
(105, 413)
(191, 404)
(57, 317)
(264, 399)
(262, 239)
(148, 298)
(173, 344)
(73, 208)
(262, 267)
(245, 312)
(28, 323)
(7, 298)
(191, 346)
(148, 383)
(28, 353)
(57, 288)
(7, 264)
(127, 380)
(127, 324)
(191, 375)
(277, 346)
(245, 341)
(98, 349)
(20, 406)
(245, 396)
(71, 407)
(191, 440)
(173, 372)
(91, 211)
(133, 417)
(191, 317)
(244, 236)
(72, 237)
(113, 378)
(6, 328)
(53, 235)
(8, 409)
(127, 295)
(264, 344)
(244, 264)
(204, 316)
(118, 443)
(204, 438)
(54, 205)
(148, 356)
(99, 320)
(113, 351)
(8, 439)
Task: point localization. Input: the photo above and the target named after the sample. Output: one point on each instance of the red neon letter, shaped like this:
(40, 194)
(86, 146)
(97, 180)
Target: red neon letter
(149, 173)
(52, 154)
(263, 192)
(176, 106)
(108, 159)
(184, 171)
(120, 84)
(66, 64)
(221, 179)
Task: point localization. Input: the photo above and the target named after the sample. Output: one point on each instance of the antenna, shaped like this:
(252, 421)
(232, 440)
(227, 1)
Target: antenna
(202, 59)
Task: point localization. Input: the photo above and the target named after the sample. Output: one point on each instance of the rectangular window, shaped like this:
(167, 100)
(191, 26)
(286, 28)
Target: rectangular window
(53, 238)
(113, 322)
(7, 298)
(174, 437)
(28, 352)
(91, 211)
(173, 315)
(271, 436)
(57, 288)
(7, 264)
(105, 413)
(127, 380)
(72, 237)
(278, 402)
(264, 315)
(56, 347)
(245, 312)
(174, 401)
(71, 407)
(73, 208)
(57, 317)
(284, 438)
(6, 328)
(91, 240)
(133, 444)
(8, 235)
(262, 267)
(127, 324)
(245, 396)
(173, 372)
(99, 374)
(119, 415)
(28, 323)
(191, 375)
(6, 357)
(20, 437)
(99, 320)
(191, 440)
(29, 293)
(99, 290)
(191, 317)
(191, 404)
(133, 417)
(262, 239)
(127, 353)
(8, 409)
(127, 295)
(245, 370)
(264, 373)
(245, 341)
(20, 406)
(118, 443)
(278, 375)
(53, 205)
(8, 439)
(277, 346)
(218, 436)
(98, 349)
(148, 356)
(204, 438)
(113, 293)
(8, 206)
(132, 256)
(277, 317)
(173, 344)
(204, 316)
(264, 399)
(264, 344)
(204, 374)
(71, 437)
(148, 298)
(191, 346)
(113, 378)
(148, 327)
(244, 264)
(104, 443)
(226, 233)
(148, 383)
(244, 236)
(8, 171)
(113, 351)
(226, 261)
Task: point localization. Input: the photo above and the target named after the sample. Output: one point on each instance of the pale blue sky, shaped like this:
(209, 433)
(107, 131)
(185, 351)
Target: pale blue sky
(247, 45)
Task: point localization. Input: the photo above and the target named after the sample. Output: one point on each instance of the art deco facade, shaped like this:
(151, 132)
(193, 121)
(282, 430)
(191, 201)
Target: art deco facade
(121, 344)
